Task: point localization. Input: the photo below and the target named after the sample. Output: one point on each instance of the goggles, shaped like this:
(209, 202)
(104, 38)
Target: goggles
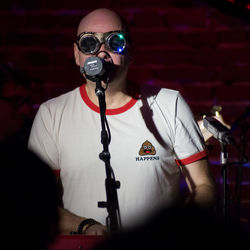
(90, 42)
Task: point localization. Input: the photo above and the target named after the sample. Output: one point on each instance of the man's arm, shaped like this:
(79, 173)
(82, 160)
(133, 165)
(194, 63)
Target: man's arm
(69, 222)
(200, 183)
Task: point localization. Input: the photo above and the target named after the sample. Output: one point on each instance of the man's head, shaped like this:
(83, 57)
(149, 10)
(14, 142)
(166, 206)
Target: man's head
(97, 24)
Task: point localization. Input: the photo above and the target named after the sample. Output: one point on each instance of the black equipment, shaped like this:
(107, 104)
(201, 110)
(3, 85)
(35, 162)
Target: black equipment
(97, 69)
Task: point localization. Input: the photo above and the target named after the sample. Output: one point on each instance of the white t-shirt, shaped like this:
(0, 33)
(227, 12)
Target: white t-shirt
(149, 136)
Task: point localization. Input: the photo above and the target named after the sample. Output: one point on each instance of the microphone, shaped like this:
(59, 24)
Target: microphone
(96, 67)
(218, 130)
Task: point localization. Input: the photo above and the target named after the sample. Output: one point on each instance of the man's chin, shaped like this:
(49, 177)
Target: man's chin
(116, 75)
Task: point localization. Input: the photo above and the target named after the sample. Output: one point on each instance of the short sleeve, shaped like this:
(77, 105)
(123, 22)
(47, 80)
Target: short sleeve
(42, 140)
(189, 145)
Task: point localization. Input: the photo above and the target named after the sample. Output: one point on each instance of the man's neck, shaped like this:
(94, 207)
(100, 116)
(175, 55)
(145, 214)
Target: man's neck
(116, 94)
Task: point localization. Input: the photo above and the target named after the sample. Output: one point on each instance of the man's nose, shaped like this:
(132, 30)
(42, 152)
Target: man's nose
(102, 48)
(103, 52)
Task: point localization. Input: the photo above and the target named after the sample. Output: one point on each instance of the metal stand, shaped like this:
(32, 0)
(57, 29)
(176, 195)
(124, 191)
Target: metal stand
(224, 165)
(113, 220)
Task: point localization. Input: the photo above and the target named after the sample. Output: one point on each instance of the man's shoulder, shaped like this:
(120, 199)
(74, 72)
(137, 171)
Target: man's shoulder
(160, 94)
(166, 92)
(62, 99)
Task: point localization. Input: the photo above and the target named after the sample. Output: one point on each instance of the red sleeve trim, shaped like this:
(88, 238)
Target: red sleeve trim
(192, 158)
(56, 172)
(91, 105)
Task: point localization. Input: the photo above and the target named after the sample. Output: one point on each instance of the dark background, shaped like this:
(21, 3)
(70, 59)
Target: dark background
(201, 48)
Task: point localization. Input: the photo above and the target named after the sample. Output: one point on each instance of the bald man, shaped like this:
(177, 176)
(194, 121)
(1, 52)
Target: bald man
(154, 138)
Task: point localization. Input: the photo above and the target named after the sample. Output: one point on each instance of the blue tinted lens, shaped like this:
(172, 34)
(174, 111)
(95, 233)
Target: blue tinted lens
(117, 42)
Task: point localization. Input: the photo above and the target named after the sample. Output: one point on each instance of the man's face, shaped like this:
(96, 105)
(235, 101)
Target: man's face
(106, 25)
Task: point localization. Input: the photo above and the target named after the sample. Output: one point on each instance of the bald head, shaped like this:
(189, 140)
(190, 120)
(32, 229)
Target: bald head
(100, 20)
(103, 21)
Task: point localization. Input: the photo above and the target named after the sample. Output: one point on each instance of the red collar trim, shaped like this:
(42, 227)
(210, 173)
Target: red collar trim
(91, 105)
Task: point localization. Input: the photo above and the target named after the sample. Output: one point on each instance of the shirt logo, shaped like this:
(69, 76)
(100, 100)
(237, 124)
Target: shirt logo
(146, 151)
(147, 148)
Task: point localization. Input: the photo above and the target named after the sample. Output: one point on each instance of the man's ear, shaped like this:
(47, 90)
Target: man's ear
(77, 55)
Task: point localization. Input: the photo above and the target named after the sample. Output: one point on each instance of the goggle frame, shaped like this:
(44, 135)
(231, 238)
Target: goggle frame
(101, 38)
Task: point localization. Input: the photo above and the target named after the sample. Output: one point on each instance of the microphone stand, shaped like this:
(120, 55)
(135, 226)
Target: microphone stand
(221, 133)
(224, 165)
(113, 220)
